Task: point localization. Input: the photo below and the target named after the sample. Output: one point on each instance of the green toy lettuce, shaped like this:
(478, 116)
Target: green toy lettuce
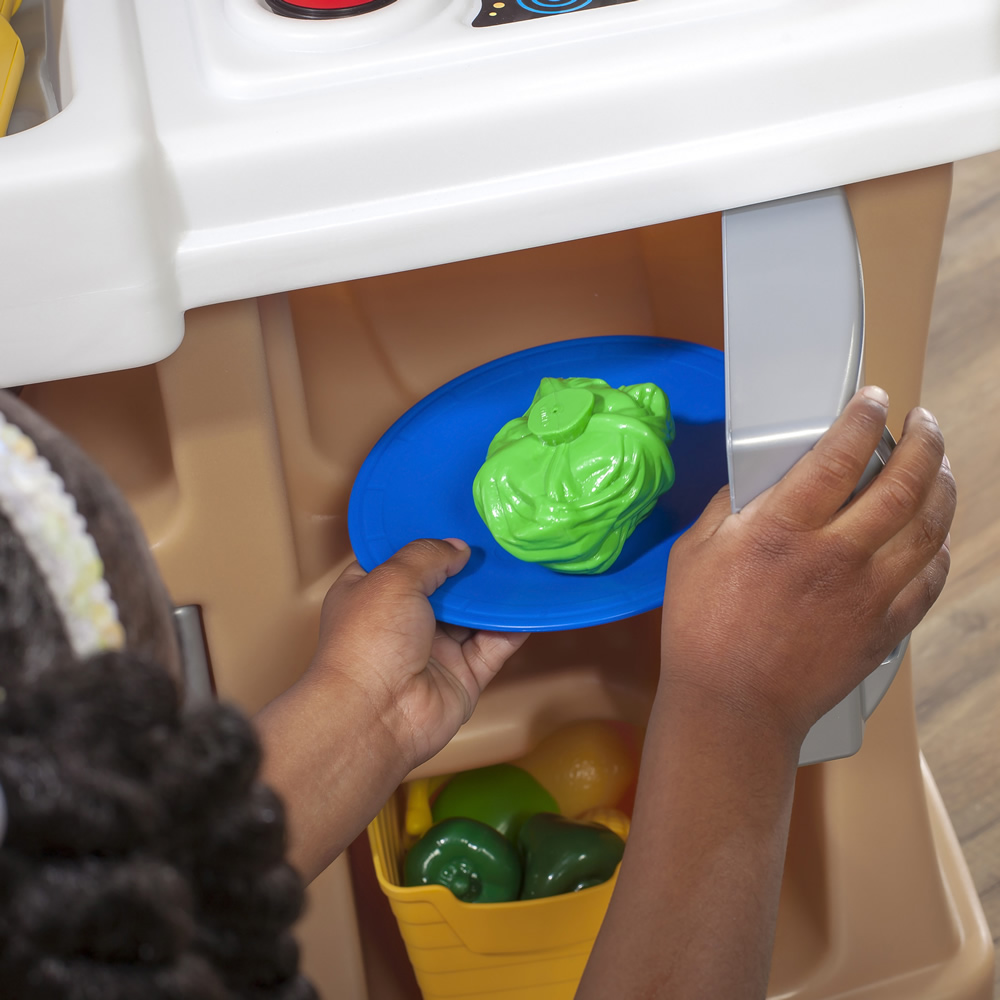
(566, 484)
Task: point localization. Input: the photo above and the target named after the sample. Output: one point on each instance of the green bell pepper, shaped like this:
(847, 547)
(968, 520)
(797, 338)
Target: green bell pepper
(562, 855)
(502, 796)
(474, 861)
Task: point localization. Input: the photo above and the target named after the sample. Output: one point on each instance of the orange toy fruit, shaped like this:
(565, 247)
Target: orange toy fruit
(586, 765)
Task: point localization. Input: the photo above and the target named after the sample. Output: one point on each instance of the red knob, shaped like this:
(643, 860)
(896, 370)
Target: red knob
(318, 9)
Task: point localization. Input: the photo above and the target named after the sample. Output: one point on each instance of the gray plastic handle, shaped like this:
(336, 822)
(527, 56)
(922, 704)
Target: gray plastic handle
(189, 625)
(794, 321)
(794, 324)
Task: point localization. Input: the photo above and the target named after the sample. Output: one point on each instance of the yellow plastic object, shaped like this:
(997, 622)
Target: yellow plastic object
(584, 766)
(614, 819)
(11, 62)
(418, 808)
(532, 950)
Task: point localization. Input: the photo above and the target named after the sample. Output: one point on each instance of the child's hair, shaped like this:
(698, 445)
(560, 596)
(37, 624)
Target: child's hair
(141, 859)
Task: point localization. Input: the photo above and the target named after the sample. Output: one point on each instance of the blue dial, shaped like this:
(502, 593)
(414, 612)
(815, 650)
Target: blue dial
(505, 11)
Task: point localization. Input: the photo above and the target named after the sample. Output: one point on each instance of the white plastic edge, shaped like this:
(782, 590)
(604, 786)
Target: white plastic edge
(198, 163)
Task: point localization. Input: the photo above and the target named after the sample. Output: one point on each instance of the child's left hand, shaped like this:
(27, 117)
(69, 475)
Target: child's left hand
(422, 677)
(387, 688)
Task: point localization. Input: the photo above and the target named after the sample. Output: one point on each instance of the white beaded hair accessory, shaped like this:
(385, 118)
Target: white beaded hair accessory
(36, 503)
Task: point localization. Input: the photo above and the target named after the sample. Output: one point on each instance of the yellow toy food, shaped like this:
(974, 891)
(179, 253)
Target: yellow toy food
(586, 765)
(418, 808)
(614, 819)
(11, 61)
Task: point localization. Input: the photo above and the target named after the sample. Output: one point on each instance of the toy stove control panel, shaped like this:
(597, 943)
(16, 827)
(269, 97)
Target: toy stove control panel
(505, 11)
(492, 11)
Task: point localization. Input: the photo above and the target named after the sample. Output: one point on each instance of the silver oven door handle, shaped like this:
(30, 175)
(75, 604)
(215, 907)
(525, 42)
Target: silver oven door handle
(794, 326)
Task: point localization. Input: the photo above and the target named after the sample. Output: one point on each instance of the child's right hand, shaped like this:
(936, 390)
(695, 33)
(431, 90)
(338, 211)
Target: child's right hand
(779, 611)
(771, 617)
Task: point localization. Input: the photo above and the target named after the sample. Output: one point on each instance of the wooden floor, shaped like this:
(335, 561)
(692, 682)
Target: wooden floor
(957, 648)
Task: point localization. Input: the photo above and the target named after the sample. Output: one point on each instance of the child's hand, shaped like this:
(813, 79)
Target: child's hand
(771, 617)
(387, 688)
(378, 632)
(779, 611)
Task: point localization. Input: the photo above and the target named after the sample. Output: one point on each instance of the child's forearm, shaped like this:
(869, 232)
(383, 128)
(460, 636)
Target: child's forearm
(694, 910)
(329, 756)
(770, 617)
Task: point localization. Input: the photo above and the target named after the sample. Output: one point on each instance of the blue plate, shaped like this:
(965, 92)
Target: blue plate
(417, 483)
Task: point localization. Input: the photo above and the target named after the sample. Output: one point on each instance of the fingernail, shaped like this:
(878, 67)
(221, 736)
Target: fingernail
(456, 543)
(919, 413)
(877, 394)
(945, 462)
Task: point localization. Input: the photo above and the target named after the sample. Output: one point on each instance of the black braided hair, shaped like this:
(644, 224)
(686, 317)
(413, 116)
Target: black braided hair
(142, 858)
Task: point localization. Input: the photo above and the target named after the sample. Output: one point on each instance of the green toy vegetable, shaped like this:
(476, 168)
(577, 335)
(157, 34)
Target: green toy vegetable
(474, 861)
(561, 855)
(566, 484)
(502, 796)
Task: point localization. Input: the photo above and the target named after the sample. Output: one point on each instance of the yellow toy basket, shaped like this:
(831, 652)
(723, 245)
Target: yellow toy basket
(530, 950)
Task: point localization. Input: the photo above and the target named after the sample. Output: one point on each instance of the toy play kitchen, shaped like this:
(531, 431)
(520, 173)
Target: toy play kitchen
(246, 239)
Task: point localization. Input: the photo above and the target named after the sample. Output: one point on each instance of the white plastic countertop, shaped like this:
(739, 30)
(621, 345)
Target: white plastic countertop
(209, 150)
